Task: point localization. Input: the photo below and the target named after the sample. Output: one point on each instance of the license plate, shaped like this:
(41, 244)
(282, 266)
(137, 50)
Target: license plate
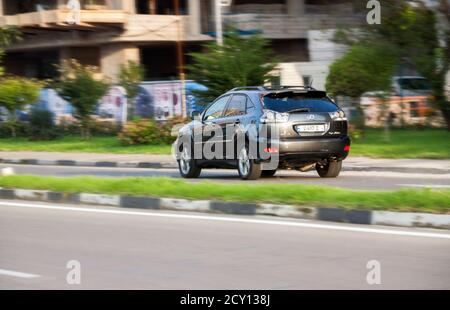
(310, 128)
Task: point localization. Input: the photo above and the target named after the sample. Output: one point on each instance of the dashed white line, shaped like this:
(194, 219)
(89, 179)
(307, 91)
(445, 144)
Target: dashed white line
(233, 219)
(18, 274)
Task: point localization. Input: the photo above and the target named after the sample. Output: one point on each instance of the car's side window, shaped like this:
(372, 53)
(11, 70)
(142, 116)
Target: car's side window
(250, 106)
(236, 106)
(216, 109)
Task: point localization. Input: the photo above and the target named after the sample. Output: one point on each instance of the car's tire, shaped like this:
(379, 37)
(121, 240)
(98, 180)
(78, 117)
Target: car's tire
(248, 169)
(329, 170)
(187, 165)
(268, 173)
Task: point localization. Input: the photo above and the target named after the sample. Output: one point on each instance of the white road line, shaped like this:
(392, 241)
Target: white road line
(17, 274)
(233, 219)
(426, 185)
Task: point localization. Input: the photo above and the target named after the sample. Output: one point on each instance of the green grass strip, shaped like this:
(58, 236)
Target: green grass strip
(416, 200)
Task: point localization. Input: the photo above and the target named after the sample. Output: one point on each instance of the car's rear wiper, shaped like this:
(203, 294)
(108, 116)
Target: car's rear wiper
(298, 110)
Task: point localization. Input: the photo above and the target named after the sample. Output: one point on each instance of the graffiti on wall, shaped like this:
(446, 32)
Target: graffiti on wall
(158, 100)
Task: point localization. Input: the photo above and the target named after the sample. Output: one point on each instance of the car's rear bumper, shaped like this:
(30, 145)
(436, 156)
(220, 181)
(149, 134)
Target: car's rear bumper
(306, 146)
(308, 150)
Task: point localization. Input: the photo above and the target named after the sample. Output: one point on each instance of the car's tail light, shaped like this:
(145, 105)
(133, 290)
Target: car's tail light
(271, 150)
(270, 116)
(338, 115)
(347, 148)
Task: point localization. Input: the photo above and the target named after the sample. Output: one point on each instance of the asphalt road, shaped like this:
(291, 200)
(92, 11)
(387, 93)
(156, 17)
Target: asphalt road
(130, 249)
(370, 180)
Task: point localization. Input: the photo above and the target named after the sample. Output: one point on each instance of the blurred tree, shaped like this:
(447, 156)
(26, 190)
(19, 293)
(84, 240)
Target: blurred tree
(15, 93)
(414, 33)
(238, 62)
(130, 76)
(79, 86)
(41, 125)
(365, 67)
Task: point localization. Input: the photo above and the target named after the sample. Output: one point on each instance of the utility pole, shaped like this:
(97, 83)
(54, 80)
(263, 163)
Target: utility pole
(180, 57)
(218, 18)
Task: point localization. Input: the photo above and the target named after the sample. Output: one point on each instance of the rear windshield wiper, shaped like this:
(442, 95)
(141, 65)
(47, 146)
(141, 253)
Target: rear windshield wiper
(298, 110)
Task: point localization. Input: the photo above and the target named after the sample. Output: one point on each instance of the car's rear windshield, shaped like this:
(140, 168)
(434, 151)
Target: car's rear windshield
(291, 102)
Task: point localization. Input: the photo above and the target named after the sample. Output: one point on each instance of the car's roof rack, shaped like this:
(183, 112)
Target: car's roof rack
(284, 87)
(260, 88)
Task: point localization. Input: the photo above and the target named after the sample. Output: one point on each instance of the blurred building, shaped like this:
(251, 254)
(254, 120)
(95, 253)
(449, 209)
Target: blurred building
(409, 110)
(301, 32)
(111, 32)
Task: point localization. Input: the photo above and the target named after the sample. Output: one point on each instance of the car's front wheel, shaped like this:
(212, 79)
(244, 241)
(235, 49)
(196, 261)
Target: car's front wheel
(187, 165)
(248, 169)
(330, 169)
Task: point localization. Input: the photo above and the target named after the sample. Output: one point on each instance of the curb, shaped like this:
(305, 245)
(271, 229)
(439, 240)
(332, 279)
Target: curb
(353, 216)
(172, 165)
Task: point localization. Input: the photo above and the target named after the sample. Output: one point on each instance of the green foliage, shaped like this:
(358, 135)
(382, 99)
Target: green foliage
(15, 93)
(97, 128)
(8, 35)
(239, 62)
(363, 68)
(79, 86)
(130, 76)
(145, 131)
(73, 143)
(41, 125)
(13, 129)
(2, 70)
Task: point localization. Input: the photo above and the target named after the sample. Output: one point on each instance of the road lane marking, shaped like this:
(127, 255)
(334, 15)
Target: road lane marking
(233, 219)
(18, 274)
(426, 185)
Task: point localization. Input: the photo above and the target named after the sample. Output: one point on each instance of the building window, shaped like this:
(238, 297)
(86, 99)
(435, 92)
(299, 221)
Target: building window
(291, 50)
(93, 4)
(160, 7)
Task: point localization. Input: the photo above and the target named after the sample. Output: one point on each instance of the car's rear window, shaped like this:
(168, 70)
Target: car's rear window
(299, 102)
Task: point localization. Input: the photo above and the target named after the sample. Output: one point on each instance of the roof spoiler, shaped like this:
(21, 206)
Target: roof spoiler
(273, 88)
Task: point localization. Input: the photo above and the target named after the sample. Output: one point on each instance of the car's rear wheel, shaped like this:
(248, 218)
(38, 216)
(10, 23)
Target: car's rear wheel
(187, 165)
(268, 173)
(248, 169)
(330, 169)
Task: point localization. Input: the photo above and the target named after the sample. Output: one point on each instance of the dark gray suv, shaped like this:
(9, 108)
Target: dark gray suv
(259, 130)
